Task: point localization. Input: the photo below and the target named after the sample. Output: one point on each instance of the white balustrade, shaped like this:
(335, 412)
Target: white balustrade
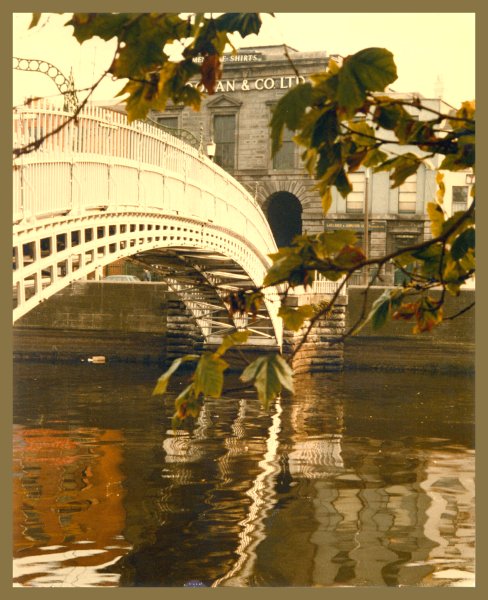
(113, 164)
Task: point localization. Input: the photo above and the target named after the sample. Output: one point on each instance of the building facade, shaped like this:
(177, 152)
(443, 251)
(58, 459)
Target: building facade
(237, 120)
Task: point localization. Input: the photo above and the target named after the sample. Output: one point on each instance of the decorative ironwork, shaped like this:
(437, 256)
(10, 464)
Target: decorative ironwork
(181, 134)
(65, 85)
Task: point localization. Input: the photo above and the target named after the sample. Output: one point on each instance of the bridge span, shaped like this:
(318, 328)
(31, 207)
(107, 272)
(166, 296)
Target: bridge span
(101, 189)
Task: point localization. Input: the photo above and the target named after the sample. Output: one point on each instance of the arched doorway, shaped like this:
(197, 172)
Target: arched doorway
(284, 213)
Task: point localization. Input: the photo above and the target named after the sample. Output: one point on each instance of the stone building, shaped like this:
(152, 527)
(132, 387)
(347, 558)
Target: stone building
(236, 119)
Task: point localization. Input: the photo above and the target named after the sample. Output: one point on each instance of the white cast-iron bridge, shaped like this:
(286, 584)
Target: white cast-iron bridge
(101, 189)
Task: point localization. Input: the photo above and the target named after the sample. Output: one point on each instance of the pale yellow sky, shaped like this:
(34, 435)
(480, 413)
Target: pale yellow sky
(427, 47)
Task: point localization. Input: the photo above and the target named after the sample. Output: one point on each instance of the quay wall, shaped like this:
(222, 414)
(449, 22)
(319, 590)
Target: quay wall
(450, 347)
(130, 322)
(145, 322)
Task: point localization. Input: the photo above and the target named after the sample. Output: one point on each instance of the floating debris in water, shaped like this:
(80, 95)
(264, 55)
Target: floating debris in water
(98, 360)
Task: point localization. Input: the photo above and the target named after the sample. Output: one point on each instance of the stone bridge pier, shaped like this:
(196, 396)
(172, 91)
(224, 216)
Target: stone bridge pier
(323, 349)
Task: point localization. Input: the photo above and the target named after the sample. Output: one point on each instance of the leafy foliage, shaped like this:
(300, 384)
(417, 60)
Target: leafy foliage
(270, 374)
(345, 122)
(294, 318)
(143, 40)
(207, 379)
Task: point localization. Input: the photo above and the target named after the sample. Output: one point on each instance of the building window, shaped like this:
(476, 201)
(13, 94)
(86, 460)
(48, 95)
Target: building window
(459, 197)
(355, 200)
(168, 122)
(285, 157)
(407, 195)
(225, 140)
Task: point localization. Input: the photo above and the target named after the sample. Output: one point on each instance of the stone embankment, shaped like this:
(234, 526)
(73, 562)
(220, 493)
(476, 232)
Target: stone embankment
(145, 322)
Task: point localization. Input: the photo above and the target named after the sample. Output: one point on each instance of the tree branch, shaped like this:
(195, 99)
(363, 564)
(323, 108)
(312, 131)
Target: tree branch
(461, 312)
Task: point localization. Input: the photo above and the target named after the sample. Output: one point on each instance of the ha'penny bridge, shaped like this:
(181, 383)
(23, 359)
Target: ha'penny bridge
(99, 190)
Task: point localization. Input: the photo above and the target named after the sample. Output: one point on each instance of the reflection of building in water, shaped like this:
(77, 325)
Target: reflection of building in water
(67, 499)
(314, 456)
(450, 516)
(349, 527)
(356, 510)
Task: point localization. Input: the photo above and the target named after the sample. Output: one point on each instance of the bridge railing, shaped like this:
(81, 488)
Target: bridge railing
(100, 161)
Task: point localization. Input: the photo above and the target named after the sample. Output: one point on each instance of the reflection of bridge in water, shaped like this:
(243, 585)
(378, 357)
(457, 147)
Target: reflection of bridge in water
(326, 508)
(100, 190)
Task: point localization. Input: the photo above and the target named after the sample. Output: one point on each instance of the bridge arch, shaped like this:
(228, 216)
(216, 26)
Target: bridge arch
(101, 190)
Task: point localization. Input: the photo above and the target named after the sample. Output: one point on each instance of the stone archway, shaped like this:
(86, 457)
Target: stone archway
(284, 213)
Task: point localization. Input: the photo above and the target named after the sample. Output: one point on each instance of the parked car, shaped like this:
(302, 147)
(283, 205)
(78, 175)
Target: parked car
(121, 278)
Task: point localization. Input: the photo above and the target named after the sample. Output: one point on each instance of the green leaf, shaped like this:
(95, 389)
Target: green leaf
(349, 257)
(374, 157)
(286, 262)
(441, 188)
(244, 23)
(209, 375)
(343, 184)
(326, 128)
(437, 218)
(400, 167)
(238, 337)
(463, 243)
(331, 242)
(364, 134)
(388, 114)
(289, 112)
(354, 160)
(329, 163)
(141, 96)
(370, 70)
(162, 383)
(293, 318)
(405, 166)
(103, 25)
(379, 311)
(185, 395)
(326, 198)
(186, 405)
(270, 374)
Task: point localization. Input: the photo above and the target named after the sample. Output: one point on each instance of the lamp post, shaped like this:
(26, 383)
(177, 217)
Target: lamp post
(366, 226)
(211, 147)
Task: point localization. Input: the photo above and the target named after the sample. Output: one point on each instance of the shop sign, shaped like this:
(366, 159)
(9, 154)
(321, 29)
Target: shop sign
(355, 226)
(284, 82)
(236, 58)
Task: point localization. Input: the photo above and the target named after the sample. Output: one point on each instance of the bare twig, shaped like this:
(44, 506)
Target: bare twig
(292, 64)
(460, 312)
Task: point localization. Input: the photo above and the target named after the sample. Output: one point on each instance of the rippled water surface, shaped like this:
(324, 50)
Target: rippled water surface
(359, 479)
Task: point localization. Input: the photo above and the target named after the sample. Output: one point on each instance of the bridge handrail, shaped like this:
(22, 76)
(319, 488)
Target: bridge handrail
(104, 136)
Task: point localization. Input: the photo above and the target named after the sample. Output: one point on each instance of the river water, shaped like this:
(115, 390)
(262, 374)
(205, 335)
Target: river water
(359, 479)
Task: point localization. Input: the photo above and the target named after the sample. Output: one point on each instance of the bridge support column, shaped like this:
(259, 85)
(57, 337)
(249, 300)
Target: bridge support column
(322, 351)
(182, 334)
